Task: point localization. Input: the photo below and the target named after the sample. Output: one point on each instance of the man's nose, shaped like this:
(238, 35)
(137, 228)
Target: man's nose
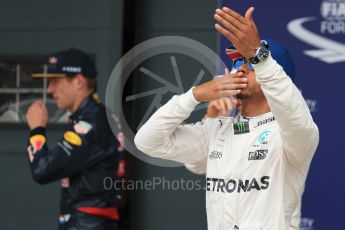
(50, 87)
(243, 68)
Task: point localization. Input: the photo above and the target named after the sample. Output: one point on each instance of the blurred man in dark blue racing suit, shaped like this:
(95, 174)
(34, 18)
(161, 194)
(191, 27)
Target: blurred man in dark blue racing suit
(87, 154)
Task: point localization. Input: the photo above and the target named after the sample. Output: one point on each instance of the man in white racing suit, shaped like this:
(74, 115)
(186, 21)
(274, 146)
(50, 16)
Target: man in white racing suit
(256, 164)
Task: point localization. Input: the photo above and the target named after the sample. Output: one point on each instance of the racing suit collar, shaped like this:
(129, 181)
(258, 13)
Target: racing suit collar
(257, 121)
(240, 117)
(83, 105)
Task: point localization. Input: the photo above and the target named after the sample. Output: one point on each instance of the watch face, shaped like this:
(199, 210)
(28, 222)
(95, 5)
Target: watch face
(263, 53)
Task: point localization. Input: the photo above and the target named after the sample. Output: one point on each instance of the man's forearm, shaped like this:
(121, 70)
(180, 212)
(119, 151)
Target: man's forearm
(154, 134)
(290, 110)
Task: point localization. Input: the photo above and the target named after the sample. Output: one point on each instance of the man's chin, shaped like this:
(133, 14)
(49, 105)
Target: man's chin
(62, 107)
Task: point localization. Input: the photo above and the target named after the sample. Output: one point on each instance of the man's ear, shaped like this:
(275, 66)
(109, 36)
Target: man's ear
(79, 81)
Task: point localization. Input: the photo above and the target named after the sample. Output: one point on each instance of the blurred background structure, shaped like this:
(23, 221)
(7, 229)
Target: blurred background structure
(107, 29)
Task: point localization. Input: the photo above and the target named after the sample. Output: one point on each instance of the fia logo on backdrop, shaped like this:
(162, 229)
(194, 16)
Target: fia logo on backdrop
(333, 13)
(331, 26)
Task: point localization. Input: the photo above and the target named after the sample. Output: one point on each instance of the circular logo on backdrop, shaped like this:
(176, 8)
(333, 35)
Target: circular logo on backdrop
(154, 88)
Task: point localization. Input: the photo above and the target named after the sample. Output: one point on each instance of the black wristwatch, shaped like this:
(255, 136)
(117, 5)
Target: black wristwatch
(262, 53)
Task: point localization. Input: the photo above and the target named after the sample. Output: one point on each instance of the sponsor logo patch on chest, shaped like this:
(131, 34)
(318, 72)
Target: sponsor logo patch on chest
(215, 155)
(258, 154)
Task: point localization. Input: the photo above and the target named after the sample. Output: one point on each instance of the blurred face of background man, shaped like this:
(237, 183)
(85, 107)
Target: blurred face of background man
(64, 91)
